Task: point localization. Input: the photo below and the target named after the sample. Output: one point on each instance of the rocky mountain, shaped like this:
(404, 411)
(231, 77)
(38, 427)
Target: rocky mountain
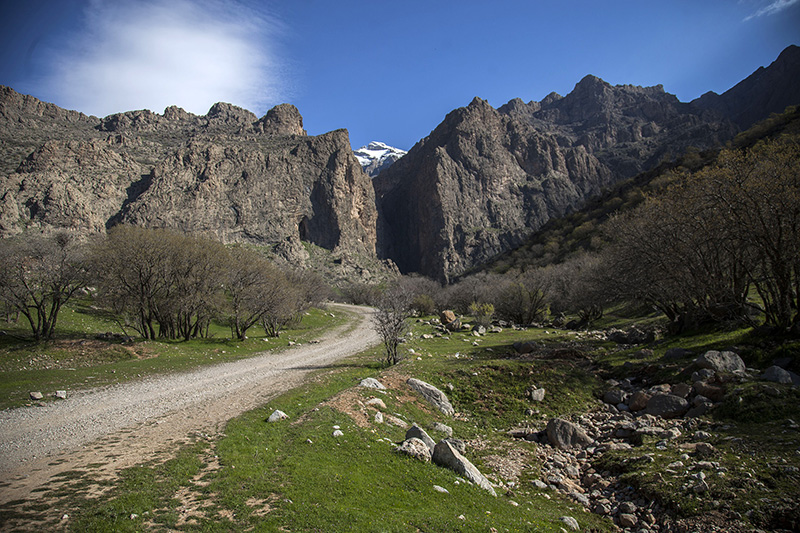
(486, 178)
(478, 185)
(227, 173)
(377, 156)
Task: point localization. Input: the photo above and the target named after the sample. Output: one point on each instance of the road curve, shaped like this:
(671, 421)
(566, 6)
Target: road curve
(126, 424)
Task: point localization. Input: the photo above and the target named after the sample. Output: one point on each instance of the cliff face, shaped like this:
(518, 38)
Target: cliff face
(474, 188)
(227, 173)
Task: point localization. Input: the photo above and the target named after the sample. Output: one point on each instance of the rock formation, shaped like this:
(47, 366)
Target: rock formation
(487, 178)
(228, 173)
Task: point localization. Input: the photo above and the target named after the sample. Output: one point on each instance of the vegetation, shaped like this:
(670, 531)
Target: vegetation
(394, 307)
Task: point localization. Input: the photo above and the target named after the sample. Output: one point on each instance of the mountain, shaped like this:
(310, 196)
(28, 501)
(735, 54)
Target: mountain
(485, 179)
(227, 173)
(477, 186)
(377, 156)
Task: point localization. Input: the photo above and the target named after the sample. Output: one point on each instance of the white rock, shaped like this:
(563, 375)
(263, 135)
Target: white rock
(277, 415)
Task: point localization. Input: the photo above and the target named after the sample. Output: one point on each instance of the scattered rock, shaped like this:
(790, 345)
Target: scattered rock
(417, 432)
(443, 490)
(432, 395)
(638, 400)
(443, 428)
(563, 434)
(61, 394)
(721, 361)
(666, 405)
(628, 520)
(371, 383)
(277, 415)
(376, 402)
(676, 353)
(570, 522)
(415, 448)
(777, 375)
(338, 433)
(537, 395)
(444, 454)
(36, 395)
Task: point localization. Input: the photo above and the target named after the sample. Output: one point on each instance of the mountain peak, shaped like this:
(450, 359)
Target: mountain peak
(377, 156)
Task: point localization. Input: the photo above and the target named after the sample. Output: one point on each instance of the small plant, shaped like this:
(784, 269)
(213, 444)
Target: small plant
(483, 313)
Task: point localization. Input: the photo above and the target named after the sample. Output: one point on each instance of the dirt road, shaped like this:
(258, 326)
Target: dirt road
(115, 427)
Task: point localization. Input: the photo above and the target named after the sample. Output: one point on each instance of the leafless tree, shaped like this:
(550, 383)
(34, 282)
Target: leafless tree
(393, 308)
(38, 275)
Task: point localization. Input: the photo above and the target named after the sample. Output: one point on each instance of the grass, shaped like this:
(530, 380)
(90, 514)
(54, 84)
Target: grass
(77, 360)
(295, 475)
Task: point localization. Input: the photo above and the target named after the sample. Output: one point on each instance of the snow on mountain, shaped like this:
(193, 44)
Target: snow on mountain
(377, 156)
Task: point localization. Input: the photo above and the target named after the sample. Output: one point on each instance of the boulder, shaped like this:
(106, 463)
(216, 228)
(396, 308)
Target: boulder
(433, 395)
(62, 394)
(377, 403)
(638, 400)
(277, 415)
(447, 316)
(712, 392)
(415, 448)
(444, 454)
(674, 354)
(524, 347)
(614, 396)
(537, 395)
(36, 395)
(777, 375)
(371, 383)
(443, 428)
(563, 434)
(721, 361)
(666, 405)
(416, 432)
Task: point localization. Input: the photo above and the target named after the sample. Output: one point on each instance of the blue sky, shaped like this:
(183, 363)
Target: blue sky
(387, 71)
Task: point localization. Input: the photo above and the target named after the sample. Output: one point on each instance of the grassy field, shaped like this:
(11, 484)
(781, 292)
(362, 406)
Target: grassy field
(294, 475)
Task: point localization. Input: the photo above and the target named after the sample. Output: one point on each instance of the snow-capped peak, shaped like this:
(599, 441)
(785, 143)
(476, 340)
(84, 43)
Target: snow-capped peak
(377, 156)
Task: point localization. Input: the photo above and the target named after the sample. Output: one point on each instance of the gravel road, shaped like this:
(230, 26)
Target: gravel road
(114, 427)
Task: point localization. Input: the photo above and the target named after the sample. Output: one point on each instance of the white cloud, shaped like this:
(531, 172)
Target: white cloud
(150, 54)
(776, 6)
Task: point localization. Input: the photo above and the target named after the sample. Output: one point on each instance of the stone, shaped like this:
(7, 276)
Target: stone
(523, 347)
(371, 383)
(537, 395)
(539, 484)
(36, 395)
(459, 445)
(415, 448)
(712, 392)
(721, 361)
(338, 433)
(570, 522)
(627, 508)
(777, 374)
(666, 405)
(705, 374)
(681, 389)
(443, 490)
(376, 402)
(614, 396)
(444, 454)
(417, 432)
(563, 434)
(378, 417)
(638, 400)
(433, 395)
(277, 415)
(443, 428)
(627, 520)
(447, 317)
(61, 394)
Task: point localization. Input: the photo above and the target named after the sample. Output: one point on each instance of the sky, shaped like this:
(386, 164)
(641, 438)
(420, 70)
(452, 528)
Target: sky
(385, 70)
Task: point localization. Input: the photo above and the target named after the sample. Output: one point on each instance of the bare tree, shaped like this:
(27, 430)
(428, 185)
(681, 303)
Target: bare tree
(393, 308)
(38, 275)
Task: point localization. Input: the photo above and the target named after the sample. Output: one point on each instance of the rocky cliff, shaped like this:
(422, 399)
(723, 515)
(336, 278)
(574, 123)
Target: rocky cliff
(486, 178)
(227, 173)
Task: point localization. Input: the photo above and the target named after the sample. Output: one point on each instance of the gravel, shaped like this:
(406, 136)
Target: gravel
(127, 423)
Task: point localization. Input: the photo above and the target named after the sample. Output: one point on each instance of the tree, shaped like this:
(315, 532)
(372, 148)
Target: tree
(522, 297)
(38, 275)
(393, 308)
(157, 277)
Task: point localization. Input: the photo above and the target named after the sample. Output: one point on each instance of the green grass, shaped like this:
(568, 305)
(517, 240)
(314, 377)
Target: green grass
(77, 360)
(295, 475)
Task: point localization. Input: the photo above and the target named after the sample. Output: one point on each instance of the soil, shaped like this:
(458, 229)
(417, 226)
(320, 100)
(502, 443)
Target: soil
(111, 428)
